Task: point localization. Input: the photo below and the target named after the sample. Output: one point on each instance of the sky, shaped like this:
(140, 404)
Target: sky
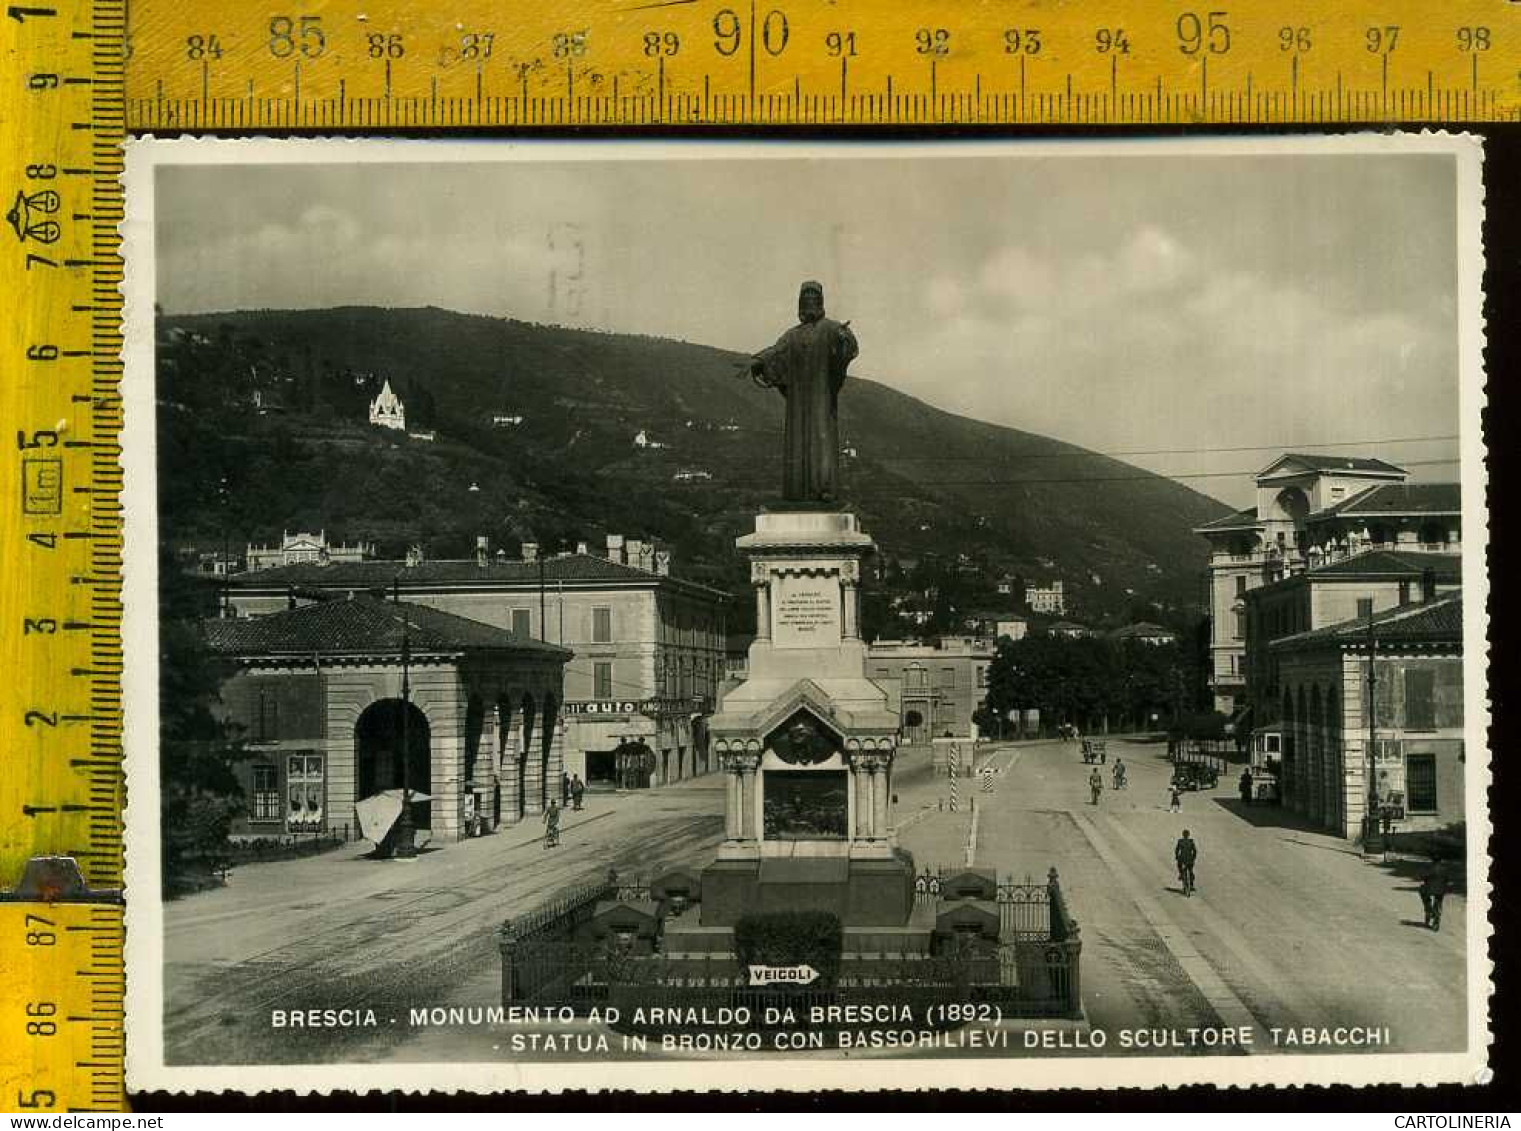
(1157, 307)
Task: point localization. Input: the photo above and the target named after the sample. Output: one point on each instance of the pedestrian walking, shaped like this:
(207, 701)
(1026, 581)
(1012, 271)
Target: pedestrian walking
(1186, 853)
(1119, 773)
(1175, 798)
(552, 825)
(577, 791)
(1096, 785)
(1246, 787)
(1434, 889)
(564, 790)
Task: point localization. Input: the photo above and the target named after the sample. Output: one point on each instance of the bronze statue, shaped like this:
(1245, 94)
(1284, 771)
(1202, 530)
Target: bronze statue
(807, 366)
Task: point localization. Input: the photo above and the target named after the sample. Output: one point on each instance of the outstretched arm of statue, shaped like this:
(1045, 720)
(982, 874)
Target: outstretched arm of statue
(849, 348)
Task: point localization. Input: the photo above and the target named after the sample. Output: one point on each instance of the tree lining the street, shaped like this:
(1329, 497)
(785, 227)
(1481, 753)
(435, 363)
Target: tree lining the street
(199, 790)
(1095, 683)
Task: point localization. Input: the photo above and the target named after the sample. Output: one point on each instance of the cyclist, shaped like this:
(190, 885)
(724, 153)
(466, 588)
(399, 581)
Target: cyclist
(1096, 784)
(1186, 852)
(1119, 773)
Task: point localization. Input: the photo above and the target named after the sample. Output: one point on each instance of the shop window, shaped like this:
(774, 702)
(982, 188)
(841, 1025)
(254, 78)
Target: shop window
(1421, 783)
(305, 788)
(1420, 699)
(602, 625)
(265, 803)
(522, 623)
(602, 680)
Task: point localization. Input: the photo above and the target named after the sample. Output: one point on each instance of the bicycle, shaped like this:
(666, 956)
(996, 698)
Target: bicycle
(1186, 877)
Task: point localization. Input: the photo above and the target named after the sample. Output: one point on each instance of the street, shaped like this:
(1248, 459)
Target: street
(1289, 927)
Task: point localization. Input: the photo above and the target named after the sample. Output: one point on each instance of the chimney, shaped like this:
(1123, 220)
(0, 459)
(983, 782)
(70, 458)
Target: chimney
(530, 551)
(615, 548)
(663, 563)
(634, 552)
(482, 550)
(647, 557)
(581, 548)
(1428, 585)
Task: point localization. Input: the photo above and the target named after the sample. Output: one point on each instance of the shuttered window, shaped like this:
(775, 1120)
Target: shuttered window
(1420, 783)
(602, 625)
(1420, 699)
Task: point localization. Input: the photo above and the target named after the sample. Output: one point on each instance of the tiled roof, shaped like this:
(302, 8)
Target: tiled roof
(1336, 463)
(1143, 628)
(1398, 499)
(363, 625)
(1398, 563)
(455, 571)
(1436, 622)
(1241, 520)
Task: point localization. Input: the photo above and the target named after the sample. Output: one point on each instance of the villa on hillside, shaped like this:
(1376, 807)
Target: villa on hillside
(387, 411)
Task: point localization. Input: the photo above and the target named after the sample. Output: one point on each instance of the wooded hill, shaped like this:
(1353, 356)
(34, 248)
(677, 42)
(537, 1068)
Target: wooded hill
(262, 427)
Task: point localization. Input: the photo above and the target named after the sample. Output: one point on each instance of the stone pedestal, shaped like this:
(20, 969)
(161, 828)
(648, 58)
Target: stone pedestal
(807, 741)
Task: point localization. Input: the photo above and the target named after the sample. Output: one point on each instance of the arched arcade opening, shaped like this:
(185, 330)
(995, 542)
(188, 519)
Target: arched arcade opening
(384, 730)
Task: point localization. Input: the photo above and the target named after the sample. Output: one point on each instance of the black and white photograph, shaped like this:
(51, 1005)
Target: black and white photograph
(805, 615)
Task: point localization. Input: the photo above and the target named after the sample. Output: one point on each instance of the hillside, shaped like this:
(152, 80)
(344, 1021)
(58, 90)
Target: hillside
(929, 485)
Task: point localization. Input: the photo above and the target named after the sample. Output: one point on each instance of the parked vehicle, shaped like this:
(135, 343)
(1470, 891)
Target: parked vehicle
(1195, 776)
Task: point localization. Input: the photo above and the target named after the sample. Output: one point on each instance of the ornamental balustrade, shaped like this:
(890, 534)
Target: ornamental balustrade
(552, 957)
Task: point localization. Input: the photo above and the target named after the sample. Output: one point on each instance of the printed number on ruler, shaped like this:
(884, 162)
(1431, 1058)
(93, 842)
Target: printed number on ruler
(398, 63)
(61, 1007)
(62, 100)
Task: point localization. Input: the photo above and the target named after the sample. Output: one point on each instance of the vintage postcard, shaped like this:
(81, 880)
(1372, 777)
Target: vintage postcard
(830, 616)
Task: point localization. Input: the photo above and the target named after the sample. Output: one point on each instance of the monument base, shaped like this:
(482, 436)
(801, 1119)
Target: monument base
(863, 892)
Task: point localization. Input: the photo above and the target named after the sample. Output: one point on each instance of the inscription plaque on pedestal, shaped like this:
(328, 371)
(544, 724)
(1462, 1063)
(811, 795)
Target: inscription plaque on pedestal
(805, 611)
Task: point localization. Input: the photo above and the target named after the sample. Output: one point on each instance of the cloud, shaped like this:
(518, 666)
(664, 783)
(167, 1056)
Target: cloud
(1152, 339)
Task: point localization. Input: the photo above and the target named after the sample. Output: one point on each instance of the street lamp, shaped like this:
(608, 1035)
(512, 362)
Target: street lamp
(405, 846)
(1370, 818)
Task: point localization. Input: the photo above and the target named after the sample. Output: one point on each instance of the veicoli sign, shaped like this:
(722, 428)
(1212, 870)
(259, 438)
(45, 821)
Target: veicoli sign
(800, 975)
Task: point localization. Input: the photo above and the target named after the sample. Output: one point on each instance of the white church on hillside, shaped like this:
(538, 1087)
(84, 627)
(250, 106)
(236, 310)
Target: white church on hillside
(387, 411)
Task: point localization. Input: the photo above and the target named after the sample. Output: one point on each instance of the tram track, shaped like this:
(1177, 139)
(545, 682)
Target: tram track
(404, 951)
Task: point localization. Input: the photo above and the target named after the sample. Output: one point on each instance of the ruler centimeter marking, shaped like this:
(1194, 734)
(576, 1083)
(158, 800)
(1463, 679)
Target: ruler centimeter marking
(63, 99)
(400, 64)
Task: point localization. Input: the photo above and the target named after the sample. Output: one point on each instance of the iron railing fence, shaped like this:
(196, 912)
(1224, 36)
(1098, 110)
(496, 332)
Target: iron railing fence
(551, 957)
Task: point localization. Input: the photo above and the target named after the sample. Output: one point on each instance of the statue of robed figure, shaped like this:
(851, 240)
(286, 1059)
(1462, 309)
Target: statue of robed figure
(807, 366)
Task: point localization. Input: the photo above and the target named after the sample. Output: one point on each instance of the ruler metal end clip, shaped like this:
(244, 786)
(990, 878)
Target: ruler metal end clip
(57, 879)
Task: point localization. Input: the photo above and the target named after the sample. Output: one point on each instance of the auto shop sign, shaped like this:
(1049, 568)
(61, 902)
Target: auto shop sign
(604, 707)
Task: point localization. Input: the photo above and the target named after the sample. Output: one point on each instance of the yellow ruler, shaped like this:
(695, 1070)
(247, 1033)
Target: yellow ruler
(404, 64)
(61, 990)
(61, 113)
(66, 100)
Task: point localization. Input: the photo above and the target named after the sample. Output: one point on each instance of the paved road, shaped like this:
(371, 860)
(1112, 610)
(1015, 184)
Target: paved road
(340, 931)
(1290, 927)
